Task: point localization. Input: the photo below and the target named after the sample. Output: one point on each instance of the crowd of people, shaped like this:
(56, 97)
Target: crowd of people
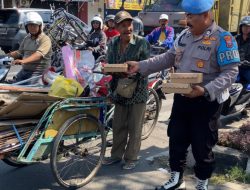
(34, 53)
(202, 47)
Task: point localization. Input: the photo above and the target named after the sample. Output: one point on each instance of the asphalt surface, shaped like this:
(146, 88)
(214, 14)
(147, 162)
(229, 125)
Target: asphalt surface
(144, 177)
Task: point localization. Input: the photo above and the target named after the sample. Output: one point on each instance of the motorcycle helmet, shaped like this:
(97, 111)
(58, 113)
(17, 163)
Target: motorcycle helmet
(244, 21)
(109, 17)
(97, 18)
(138, 26)
(163, 16)
(33, 18)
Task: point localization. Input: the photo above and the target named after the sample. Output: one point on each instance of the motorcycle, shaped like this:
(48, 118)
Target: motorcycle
(156, 49)
(155, 81)
(239, 97)
(5, 64)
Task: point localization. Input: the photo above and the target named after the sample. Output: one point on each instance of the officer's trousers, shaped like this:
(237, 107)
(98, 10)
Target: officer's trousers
(195, 122)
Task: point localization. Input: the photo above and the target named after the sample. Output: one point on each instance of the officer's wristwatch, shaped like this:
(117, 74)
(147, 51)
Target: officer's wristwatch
(206, 94)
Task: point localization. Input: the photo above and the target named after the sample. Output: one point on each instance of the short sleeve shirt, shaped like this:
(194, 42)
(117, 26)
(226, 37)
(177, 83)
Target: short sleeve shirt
(41, 45)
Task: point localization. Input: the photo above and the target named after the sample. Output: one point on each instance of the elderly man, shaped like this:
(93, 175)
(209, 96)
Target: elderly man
(204, 48)
(162, 35)
(129, 110)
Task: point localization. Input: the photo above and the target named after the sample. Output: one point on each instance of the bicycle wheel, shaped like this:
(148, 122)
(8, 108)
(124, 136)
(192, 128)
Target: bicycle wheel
(11, 160)
(151, 114)
(75, 159)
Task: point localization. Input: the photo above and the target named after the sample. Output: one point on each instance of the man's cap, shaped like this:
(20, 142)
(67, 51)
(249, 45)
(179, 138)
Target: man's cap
(121, 16)
(197, 6)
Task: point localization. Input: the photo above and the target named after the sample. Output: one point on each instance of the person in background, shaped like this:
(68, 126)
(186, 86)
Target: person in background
(34, 53)
(206, 48)
(110, 30)
(162, 35)
(129, 111)
(138, 27)
(97, 39)
(243, 40)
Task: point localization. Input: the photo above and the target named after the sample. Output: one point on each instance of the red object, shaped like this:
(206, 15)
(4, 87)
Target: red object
(103, 91)
(45, 74)
(110, 33)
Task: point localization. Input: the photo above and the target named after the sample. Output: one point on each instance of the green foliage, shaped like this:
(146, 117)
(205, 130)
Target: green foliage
(238, 174)
(234, 174)
(218, 179)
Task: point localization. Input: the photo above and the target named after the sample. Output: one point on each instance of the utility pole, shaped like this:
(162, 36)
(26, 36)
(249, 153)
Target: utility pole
(2, 4)
(122, 5)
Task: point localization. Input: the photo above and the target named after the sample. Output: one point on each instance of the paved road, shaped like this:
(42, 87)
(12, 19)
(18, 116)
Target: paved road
(39, 176)
(144, 177)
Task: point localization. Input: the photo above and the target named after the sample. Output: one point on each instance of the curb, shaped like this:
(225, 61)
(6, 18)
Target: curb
(248, 166)
(225, 158)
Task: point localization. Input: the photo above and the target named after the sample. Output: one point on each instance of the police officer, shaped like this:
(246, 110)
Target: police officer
(243, 40)
(204, 48)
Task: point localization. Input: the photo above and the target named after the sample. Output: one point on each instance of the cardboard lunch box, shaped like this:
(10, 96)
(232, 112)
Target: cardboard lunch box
(115, 68)
(186, 78)
(181, 83)
(178, 88)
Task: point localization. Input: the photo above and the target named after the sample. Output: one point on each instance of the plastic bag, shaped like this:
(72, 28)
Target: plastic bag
(66, 88)
(79, 65)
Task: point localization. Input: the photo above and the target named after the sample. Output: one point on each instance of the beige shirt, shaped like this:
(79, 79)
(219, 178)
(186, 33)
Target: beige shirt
(214, 53)
(41, 45)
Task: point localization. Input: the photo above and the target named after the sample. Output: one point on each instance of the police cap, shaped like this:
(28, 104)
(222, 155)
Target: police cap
(121, 16)
(197, 6)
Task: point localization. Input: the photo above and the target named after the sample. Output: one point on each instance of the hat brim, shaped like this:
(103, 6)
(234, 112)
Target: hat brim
(123, 19)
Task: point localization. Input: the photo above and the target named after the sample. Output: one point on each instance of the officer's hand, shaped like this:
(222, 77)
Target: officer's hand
(18, 62)
(196, 92)
(133, 67)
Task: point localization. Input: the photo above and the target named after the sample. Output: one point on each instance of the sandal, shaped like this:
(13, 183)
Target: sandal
(129, 165)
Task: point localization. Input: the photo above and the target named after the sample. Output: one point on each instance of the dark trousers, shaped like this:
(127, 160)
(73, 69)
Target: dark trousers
(25, 74)
(193, 121)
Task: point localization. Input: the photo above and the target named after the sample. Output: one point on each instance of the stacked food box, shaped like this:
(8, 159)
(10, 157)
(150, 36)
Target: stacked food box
(181, 83)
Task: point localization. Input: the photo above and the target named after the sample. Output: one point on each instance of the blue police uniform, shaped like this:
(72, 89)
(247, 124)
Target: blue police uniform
(195, 121)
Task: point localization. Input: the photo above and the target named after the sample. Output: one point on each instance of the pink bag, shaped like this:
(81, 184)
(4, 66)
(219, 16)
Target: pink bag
(68, 59)
(78, 65)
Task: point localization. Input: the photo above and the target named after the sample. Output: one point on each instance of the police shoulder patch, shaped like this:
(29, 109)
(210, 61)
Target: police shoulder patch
(227, 50)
